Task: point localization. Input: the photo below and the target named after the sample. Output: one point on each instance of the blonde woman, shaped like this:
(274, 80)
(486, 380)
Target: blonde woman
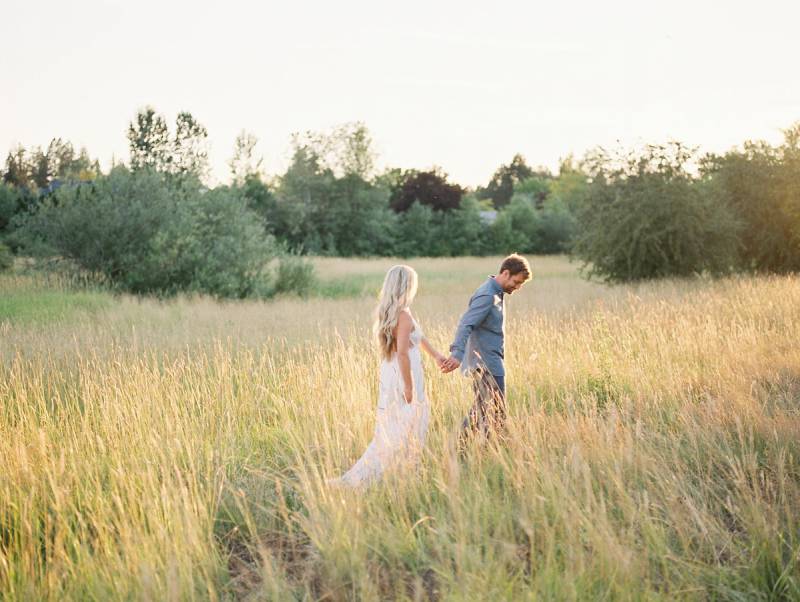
(403, 410)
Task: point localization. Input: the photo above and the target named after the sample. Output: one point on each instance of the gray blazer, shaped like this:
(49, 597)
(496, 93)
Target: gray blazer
(481, 330)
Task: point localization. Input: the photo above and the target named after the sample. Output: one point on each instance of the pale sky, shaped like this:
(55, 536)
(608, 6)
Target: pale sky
(462, 85)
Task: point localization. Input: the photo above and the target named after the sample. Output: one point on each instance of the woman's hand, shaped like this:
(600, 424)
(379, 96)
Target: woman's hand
(408, 394)
(439, 359)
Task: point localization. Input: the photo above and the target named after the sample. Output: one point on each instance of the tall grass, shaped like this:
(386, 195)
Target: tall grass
(179, 450)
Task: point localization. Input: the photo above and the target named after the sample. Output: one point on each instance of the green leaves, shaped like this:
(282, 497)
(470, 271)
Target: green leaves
(143, 233)
(646, 217)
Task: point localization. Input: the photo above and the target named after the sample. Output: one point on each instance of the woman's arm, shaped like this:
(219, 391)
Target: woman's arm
(437, 357)
(404, 327)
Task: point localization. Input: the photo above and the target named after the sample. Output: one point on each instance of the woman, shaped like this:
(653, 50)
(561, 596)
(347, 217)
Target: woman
(403, 409)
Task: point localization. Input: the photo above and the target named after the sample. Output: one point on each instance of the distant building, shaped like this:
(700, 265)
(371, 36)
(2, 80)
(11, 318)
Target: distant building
(488, 217)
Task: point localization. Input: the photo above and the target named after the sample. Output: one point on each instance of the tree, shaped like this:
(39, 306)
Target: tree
(303, 201)
(42, 169)
(262, 200)
(18, 170)
(8, 205)
(759, 184)
(185, 154)
(429, 188)
(571, 184)
(556, 228)
(462, 232)
(517, 226)
(416, 231)
(243, 164)
(189, 147)
(149, 141)
(501, 187)
(141, 233)
(536, 188)
(346, 150)
(646, 217)
(360, 218)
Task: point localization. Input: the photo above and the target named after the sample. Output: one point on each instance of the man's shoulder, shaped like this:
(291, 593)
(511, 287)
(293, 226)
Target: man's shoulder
(486, 288)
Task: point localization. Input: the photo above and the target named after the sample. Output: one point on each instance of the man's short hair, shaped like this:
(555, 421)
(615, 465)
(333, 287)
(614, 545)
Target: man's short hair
(516, 264)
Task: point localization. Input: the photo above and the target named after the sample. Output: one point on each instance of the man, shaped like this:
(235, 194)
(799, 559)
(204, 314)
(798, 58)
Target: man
(478, 346)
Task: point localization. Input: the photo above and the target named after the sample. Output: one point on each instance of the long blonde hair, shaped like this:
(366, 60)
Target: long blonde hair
(399, 289)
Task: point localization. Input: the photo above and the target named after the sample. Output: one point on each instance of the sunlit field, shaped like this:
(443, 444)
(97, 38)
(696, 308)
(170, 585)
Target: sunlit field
(178, 450)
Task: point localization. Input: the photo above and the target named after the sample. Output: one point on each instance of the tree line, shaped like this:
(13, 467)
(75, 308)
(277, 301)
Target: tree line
(153, 225)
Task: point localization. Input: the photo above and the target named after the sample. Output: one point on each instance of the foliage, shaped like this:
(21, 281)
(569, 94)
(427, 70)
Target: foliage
(415, 231)
(570, 186)
(556, 228)
(516, 227)
(646, 217)
(319, 213)
(428, 188)
(8, 205)
(507, 177)
(295, 275)
(346, 150)
(761, 186)
(244, 166)
(260, 199)
(143, 234)
(153, 148)
(462, 232)
(18, 170)
(634, 216)
(536, 188)
(6, 258)
(38, 169)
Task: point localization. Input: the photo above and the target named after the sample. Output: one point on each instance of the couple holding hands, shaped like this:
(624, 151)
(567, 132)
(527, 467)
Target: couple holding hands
(403, 411)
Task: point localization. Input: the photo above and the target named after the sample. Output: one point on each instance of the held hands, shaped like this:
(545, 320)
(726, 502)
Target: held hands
(450, 364)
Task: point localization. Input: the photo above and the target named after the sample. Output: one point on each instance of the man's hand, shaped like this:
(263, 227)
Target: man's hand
(450, 364)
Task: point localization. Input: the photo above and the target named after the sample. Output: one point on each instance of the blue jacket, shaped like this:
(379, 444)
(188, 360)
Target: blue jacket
(481, 330)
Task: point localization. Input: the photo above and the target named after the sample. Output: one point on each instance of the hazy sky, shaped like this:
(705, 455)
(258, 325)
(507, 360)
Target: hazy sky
(463, 85)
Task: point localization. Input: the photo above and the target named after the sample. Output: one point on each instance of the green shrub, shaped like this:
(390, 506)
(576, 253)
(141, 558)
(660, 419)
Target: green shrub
(760, 184)
(6, 258)
(416, 231)
(295, 275)
(516, 227)
(143, 233)
(646, 217)
(8, 205)
(556, 228)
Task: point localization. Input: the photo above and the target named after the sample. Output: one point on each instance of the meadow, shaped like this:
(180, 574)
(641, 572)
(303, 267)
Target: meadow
(173, 450)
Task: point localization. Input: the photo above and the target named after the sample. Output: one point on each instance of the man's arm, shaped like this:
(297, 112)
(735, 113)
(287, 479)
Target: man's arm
(479, 307)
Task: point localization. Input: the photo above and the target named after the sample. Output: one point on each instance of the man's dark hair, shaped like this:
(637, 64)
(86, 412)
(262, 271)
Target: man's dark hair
(516, 264)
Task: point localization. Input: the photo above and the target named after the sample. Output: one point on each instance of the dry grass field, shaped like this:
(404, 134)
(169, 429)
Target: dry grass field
(177, 450)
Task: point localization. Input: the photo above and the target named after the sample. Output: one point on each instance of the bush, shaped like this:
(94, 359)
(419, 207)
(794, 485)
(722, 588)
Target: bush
(295, 275)
(556, 228)
(461, 232)
(6, 258)
(416, 231)
(761, 186)
(516, 227)
(143, 233)
(8, 205)
(645, 217)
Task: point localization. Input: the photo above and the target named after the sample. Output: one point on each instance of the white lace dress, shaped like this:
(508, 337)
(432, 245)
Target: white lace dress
(400, 427)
